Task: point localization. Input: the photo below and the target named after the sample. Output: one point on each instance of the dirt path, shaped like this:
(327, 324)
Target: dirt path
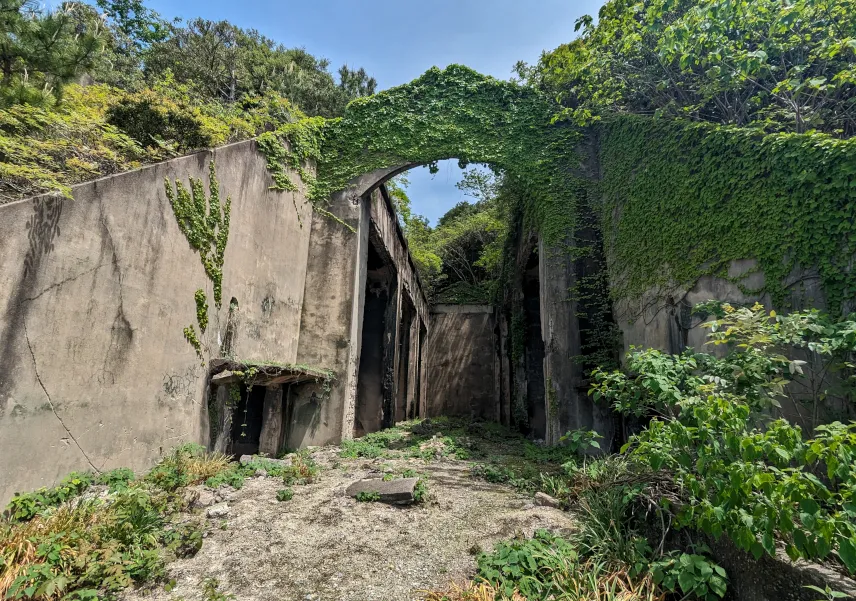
(324, 546)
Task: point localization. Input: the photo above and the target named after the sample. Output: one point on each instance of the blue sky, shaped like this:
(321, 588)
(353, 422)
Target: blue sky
(396, 41)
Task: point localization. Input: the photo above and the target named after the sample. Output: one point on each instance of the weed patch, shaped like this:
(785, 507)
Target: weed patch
(368, 497)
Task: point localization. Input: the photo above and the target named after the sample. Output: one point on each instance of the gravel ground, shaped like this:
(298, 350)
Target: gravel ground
(324, 546)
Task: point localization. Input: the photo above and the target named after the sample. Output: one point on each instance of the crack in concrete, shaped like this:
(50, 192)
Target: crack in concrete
(50, 401)
(65, 281)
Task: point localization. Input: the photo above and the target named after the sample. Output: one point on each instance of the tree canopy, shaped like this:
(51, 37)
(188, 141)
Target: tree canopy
(779, 66)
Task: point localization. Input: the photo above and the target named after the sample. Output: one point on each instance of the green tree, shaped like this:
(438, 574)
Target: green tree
(786, 66)
(42, 50)
(227, 63)
(132, 29)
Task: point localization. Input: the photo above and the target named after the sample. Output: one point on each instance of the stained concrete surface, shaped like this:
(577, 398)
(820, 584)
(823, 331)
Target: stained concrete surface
(96, 290)
(460, 365)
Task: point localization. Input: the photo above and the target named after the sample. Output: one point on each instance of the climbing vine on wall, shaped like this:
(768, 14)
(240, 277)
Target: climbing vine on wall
(453, 113)
(713, 194)
(205, 223)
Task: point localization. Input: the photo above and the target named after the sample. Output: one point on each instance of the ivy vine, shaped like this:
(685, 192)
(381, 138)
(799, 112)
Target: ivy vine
(713, 194)
(204, 222)
(450, 113)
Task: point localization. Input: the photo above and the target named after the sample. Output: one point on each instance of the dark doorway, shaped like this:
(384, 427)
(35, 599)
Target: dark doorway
(402, 389)
(247, 421)
(416, 406)
(534, 353)
(377, 349)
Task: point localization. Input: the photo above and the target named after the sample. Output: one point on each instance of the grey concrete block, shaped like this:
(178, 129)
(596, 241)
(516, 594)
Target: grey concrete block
(397, 492)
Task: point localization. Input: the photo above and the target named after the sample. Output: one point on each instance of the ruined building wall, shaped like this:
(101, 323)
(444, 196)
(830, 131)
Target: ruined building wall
(462, 362)
(96, 290)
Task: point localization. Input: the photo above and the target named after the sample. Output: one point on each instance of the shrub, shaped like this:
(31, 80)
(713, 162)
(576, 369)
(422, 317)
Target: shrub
(86, 548)
(286, 494)
(368, 497)
(25, 506)
(186, 465)
(734, 470)
(155, 120)
(116, 479)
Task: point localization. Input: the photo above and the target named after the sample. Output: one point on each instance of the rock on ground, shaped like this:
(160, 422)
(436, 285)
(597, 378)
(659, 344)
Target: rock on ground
(326, 546)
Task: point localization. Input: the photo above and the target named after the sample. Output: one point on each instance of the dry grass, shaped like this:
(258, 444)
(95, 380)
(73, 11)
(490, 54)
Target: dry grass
(585, 582)
(18, 552)
(205, 465)
(470, 591)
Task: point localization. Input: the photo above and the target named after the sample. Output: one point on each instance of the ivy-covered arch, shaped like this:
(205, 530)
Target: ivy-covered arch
(444, 114)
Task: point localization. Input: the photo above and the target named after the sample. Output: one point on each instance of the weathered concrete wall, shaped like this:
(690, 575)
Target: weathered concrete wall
(94, 369)
(461, 362)
(329, 334)
(331, 328)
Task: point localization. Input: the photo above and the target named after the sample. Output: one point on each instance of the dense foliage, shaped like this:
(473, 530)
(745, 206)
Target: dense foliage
(713, 194)
(777, 66)
(459, 258)
(736, 469)
(163, 89)
(91, 536)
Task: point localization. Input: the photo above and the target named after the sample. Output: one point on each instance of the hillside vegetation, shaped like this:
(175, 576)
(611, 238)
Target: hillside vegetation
(89, 90)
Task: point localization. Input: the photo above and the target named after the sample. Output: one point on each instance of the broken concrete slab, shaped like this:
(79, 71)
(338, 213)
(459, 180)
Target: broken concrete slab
(220, 510)
(245, 459)
(396, 492)
(225, 377)
(545, 500)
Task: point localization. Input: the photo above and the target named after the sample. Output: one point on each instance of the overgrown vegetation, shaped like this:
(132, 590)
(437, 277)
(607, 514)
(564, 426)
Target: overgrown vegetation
(713, 461)
(65, 542)
(774, 66)
(91, 536)
(162, 89)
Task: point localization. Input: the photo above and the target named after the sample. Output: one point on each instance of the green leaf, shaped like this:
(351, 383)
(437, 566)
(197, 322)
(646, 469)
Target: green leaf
(687, 582)
(847, 553)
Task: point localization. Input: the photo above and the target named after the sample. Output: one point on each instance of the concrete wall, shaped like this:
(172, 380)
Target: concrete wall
(462, 362)
(94, 370)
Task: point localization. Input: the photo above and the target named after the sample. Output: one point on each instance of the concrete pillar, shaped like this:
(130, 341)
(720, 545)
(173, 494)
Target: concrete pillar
(272, 421)
(355, 340)
(497, 368)
(412, 369)
(423, 375)
(504, 372)
(390, 354)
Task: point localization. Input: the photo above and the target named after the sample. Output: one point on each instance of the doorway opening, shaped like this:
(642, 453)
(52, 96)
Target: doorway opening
(404, 375)
(374, 384)
(534, 350)
(247, 420)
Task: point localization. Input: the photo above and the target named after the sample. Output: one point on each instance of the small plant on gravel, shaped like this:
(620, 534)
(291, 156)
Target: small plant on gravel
(371, 445)
(286, 494)
(420, 491)
(492, 473)
(186, 465)
(211, 591)
(368, 497)
(303, 469)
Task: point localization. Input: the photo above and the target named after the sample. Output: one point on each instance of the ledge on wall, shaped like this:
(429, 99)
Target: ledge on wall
(227, 371)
